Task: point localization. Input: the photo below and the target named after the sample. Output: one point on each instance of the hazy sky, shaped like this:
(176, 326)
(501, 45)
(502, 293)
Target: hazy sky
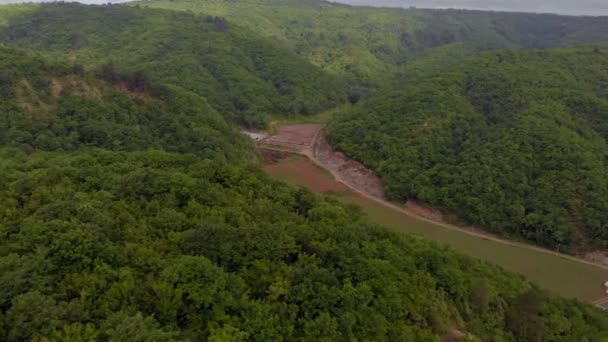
(573, 7)
(83, 1)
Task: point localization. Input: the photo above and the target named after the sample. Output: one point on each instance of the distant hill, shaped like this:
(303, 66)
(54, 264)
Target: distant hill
(373, 46)
(282, 56)
(56, 107)
(242, 75)
(514, 142)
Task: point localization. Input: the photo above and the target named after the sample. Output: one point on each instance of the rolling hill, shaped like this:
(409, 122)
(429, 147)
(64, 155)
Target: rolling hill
(240, 74)
(54, 106)
(511, 141)
(375, 46)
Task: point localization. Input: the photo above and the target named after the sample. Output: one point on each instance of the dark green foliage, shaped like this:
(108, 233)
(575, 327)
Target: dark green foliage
(43, 106)
(514, 142)
(150, 246)
(524, 317)
(242, 76)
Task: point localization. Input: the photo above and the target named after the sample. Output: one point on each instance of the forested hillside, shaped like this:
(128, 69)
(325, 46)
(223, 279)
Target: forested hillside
(254, 58)
(373, 46)
(243, 76)
(514, 142)
(132, 210)
(150, 246)
(57, 107)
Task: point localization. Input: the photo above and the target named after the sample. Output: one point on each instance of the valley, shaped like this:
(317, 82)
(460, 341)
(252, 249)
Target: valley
(321, 172)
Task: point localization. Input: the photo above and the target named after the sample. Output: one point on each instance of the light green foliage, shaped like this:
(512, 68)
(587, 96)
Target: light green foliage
(151, 246)
(514, 142)
(11, 12)
(334, 37)
(374, 46)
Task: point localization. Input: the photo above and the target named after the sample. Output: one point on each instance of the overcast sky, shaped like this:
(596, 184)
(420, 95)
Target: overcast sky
(83, 1)
(572, 7)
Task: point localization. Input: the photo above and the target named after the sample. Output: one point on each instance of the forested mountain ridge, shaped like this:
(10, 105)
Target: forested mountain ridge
(55, 106)
(512, 141)
(243, 76)
(369, 47)
(151, 246)
(375, 46)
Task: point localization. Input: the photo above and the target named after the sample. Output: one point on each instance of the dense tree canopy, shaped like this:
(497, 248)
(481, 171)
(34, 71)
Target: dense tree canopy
(46, 106)
(514, 142)
(129, 210)
(375, 46)
(243, 76)
(153, 246)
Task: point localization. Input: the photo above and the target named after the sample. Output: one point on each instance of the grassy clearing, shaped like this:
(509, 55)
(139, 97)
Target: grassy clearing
(562, 276)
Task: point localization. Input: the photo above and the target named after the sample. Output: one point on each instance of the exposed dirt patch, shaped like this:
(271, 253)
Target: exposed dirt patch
(308, 139)
(56, 88)
(74, 86)
(297, 135)
(353, 173)
(141, 95)
(299, 170)
(599, 257)
(423, 211)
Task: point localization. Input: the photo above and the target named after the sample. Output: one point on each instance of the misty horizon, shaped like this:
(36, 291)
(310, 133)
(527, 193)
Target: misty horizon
(563, 7)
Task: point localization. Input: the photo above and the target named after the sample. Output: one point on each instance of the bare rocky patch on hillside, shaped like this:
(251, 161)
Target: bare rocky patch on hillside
(350, 171)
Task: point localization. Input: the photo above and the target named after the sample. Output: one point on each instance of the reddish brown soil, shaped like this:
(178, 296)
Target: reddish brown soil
(353, 173)
(303, 172)
(300, 135)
